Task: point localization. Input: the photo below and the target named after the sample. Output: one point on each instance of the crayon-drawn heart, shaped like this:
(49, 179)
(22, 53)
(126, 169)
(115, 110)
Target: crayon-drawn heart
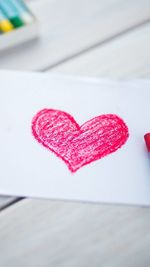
(79, 145)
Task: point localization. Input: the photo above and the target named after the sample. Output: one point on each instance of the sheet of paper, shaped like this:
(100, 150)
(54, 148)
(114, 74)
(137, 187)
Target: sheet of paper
(41, 113)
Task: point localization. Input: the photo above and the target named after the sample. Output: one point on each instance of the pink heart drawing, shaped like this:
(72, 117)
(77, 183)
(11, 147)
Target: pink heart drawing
(79, 145)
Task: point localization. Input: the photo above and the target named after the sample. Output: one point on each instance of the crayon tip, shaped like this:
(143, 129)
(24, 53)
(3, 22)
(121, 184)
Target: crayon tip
(147, 141)
(6, 26)
(16, 21)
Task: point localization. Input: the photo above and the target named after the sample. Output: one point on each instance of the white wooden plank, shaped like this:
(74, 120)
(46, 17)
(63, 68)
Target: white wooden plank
(125, 57)
(64, 234)
(68, 27)
(44, 233)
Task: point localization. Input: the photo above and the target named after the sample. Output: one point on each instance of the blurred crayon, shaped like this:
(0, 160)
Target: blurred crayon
(22, 10)
(147, 141)
(5, 24)
(11, 13)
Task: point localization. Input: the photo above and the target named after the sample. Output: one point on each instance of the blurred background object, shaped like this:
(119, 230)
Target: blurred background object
(17, 23)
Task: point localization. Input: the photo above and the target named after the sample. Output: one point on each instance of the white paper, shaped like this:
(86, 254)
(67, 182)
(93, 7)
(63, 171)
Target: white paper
(29, 169)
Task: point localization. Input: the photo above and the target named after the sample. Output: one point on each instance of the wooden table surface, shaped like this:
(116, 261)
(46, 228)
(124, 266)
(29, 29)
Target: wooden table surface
(107, 38)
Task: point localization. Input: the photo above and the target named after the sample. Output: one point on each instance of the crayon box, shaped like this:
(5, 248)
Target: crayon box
(17, 23)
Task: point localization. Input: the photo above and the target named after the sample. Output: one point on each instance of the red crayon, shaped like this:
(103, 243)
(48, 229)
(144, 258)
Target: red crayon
(147, 141)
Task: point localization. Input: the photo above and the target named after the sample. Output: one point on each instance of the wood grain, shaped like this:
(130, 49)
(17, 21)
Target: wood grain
(66, 234)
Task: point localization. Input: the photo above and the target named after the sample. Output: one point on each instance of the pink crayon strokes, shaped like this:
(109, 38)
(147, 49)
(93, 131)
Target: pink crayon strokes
(79, 145)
